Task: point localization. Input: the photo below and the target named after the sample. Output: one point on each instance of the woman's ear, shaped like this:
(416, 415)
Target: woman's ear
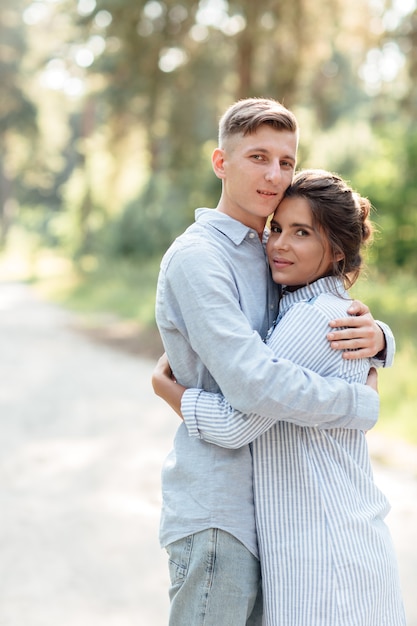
(217, 161)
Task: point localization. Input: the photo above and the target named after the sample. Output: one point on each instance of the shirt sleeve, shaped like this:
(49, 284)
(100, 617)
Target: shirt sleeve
(389, 347)
(251, 377)
(210, 417)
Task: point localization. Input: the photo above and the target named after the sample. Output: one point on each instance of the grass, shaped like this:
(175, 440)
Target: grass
(107, 292)
(93, 288)
(394, 300)
(119, 288)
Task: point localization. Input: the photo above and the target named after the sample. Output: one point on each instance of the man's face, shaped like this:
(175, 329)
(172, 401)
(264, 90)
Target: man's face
(256, 170)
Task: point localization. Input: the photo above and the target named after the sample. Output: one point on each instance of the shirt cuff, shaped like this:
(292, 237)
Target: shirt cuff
(367, 404)
(188, 409)
(385, 359)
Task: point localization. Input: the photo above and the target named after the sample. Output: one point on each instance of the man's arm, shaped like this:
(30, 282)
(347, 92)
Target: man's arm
(209, 416)
(251, 377)
(300, 336)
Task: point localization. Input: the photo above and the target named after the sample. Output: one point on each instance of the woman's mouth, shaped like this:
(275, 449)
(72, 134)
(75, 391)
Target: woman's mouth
(280, 263)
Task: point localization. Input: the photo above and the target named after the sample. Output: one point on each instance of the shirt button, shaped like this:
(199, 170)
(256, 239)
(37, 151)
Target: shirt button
(252, 235)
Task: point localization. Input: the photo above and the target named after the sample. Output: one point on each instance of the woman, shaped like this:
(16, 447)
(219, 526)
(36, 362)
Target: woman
(326, 553)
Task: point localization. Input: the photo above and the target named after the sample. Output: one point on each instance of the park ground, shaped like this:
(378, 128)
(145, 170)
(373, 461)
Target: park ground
(83, 441)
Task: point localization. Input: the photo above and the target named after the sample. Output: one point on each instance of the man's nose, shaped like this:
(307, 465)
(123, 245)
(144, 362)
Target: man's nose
(273, 174)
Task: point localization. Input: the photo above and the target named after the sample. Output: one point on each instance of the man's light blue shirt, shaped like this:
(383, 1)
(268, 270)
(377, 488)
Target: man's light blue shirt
(215, 300)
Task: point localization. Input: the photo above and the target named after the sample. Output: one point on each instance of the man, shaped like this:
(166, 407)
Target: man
(215, 300)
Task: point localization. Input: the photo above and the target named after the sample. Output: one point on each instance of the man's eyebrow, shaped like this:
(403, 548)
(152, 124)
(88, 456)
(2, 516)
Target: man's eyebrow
(255, 149)
(289, 157)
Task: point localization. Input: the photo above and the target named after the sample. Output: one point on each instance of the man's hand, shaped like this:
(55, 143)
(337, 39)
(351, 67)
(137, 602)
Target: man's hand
(360, 336)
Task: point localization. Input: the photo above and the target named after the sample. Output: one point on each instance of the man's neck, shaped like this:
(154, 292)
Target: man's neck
(254, 222)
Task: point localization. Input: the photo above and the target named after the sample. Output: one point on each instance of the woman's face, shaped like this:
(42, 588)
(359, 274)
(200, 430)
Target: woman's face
(298, 254)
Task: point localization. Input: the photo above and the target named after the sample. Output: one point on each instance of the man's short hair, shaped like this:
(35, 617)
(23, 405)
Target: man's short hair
(246, 116)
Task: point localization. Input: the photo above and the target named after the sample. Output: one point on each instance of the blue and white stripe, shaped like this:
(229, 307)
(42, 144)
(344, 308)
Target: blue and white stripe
(326, 553)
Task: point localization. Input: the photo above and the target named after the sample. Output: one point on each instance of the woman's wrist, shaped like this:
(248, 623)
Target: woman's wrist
(168, 390)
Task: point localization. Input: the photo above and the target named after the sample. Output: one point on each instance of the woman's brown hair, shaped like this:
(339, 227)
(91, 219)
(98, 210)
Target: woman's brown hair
(341, 214)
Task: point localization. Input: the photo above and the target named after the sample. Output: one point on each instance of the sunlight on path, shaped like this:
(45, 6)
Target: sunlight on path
(83, 441)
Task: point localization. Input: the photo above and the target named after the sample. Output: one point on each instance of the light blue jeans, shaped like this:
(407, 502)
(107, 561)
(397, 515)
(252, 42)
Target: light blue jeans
(215, 581)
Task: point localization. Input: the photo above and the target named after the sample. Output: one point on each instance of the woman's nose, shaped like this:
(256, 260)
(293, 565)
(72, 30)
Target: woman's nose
(280, 242)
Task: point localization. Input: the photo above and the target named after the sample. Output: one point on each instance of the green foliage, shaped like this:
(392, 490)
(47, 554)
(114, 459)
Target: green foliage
(127, 96)
(398, 393)
(388, 179)
(16, 109)
(115, 288)
(149, 223)
(392, 299)
(380, 163)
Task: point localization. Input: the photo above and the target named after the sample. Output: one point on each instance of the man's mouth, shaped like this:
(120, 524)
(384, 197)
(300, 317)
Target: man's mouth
(266, 193)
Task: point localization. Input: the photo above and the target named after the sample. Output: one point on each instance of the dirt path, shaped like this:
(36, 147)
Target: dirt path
(83, 439)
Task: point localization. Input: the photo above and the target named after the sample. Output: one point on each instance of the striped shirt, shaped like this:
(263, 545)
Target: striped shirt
(326, 553)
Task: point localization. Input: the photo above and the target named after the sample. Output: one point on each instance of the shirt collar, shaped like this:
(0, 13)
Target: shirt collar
(326, 284)
(233, 229)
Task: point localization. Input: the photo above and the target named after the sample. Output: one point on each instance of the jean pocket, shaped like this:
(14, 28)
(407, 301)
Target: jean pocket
(179, 555)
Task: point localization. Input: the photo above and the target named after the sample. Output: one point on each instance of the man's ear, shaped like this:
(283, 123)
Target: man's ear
(217, 161)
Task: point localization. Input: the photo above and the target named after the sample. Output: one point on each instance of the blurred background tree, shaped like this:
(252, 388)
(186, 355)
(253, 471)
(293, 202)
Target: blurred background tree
(125, 97)
(17, 112)
(108, 117)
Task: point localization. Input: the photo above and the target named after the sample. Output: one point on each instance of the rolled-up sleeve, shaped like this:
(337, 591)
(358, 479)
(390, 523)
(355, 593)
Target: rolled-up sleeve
(389, 347)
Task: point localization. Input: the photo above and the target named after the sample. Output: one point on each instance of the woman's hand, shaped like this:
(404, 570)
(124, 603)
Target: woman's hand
(359, 335)
(165, 386)
(162, 370)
